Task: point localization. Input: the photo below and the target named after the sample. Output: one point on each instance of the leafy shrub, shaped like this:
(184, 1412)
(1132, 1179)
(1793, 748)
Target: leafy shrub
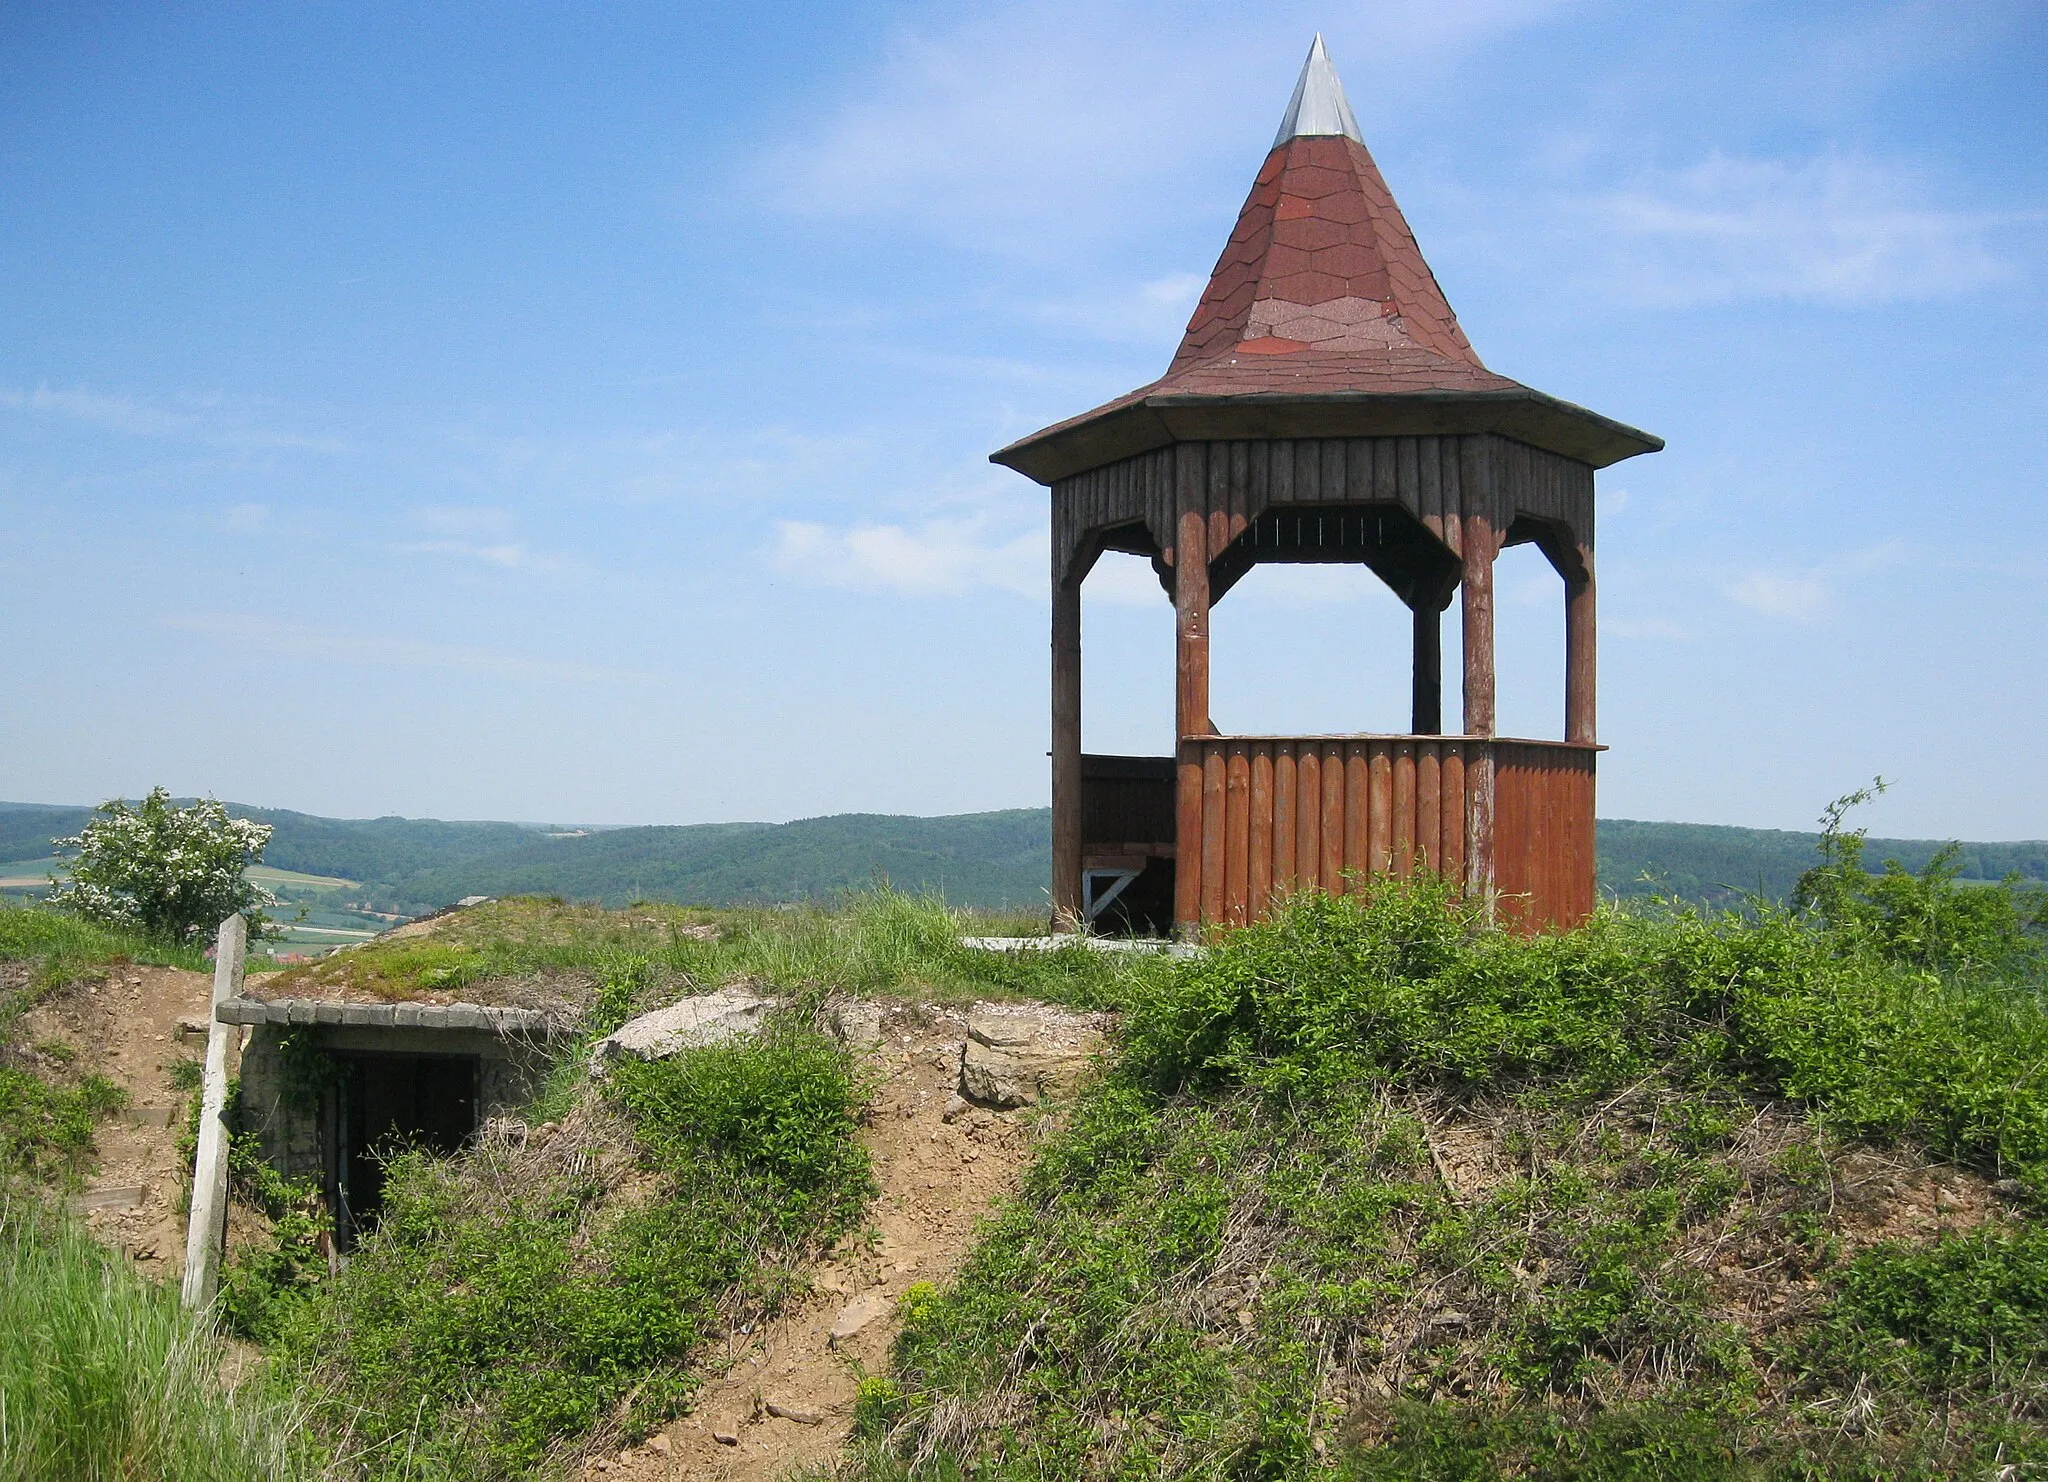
(1245, 1227)
(172, 874)
(1962, 1312)
(1922, 919)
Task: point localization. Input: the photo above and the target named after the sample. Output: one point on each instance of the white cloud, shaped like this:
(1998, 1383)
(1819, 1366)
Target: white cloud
(1834, 228)
(255, 633)
(1801, 598)
(1806, 595)
(1055, 121)
(211, 421)
(509, 555)
(937, 558)
(1123, 580)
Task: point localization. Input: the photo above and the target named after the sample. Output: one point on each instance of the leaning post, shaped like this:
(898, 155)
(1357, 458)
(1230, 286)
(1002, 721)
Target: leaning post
(207, 1231)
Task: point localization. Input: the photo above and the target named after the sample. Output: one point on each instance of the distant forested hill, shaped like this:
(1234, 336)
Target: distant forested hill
(1717, 864)
(980, 859)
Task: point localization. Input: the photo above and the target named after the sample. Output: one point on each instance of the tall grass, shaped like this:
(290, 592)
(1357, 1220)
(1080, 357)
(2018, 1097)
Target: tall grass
(104, 1376)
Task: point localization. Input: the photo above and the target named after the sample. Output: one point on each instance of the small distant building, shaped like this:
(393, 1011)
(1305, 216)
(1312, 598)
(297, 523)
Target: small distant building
(1325, 406)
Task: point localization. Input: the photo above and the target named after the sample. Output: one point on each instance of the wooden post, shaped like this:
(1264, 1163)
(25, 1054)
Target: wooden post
(1191, 709)
(207, 1229)
(1476, 591)
(1429, 667)
(1581, 650)
(1066, 756)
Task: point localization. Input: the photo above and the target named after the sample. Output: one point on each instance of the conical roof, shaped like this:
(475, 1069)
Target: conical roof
(1323, 305)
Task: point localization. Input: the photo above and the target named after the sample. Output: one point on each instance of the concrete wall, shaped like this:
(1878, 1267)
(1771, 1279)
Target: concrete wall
(291, 1127)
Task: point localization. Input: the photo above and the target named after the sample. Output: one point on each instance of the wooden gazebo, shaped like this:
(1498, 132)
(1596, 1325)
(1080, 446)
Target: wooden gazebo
(1324, 406)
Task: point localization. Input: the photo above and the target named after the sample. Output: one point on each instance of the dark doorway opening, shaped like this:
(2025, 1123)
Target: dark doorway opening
(384, 1104)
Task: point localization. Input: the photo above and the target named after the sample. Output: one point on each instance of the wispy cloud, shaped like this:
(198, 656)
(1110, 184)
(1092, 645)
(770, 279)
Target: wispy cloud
(210, 421)
(1052, 122)
(255, 633)
(1805, 595)
(937, 558)
(1832, 228)
(243, 519)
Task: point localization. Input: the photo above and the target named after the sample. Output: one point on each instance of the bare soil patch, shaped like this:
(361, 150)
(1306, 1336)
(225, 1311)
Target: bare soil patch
(783, 1397)
(123, 1023)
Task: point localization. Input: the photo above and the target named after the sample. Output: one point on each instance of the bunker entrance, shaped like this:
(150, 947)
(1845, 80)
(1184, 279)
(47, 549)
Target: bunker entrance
(384, 1104)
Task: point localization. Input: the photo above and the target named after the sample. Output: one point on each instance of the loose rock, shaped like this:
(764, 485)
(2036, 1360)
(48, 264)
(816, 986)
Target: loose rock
(710, 1019)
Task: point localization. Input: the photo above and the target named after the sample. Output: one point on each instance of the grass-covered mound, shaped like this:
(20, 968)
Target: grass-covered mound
(878, 942)
(48, 1104)
(1374, 1189)
(549, 1290)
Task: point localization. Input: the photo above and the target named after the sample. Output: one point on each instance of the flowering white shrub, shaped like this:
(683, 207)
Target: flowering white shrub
(170, 873)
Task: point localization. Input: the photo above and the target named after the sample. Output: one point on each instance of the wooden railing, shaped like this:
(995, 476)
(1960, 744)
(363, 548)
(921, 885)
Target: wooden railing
(1259, 816)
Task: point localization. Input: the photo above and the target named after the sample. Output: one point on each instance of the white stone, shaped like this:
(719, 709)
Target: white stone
(862, 1313)
(710, 1019)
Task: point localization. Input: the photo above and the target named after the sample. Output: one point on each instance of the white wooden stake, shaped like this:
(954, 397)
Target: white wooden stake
(207, 1231)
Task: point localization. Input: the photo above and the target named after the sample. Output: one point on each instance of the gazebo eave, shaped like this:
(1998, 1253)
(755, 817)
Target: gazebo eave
(1144, 422)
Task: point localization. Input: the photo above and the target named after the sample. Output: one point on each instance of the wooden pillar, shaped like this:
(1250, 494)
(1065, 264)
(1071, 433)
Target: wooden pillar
(1066, 756)
(1581, 652)
(1191, 708)
(1429, 667)
(1478, 548)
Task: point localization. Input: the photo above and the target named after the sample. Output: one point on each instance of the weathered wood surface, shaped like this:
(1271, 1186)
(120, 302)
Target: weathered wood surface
(206, 1230)
(1137, 504)
(1279, 814)
(1066, 756)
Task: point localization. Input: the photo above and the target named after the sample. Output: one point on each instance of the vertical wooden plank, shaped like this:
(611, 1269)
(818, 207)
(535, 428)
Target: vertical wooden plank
(1237, 859)
(1331, 451)
(1404, 808)
(1429, 806)
(1284, 801)
(1408, 475)
(1386, 472)
(1450, 460)
(1066, 756)
(1191, 693)
(1380, 846)
(1259, 882)
(1279, 473)
(1215, 821)
(1429, 486)
(1333, 817)
(1453, 835)
(1308, 470)
(1358, 762)
(1240, 486)
(1308, 818)
(1219, 498)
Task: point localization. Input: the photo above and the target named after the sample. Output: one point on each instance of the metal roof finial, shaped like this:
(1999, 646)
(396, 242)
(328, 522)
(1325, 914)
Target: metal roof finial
(1318, 105)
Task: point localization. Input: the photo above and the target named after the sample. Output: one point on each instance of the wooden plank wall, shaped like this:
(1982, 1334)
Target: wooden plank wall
(1280, 815)
(1236, 482)
(1543, 865)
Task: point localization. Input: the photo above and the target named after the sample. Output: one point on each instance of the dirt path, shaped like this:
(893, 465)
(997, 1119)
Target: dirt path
(786, 1399)
(125, 1027)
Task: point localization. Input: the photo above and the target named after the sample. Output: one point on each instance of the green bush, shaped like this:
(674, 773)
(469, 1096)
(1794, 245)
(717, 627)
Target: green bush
(513, 1301)
(104, 1377)
(171, 874)
(1246, 1208)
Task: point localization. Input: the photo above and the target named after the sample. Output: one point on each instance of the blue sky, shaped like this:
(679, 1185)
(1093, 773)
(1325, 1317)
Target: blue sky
(580, 413)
